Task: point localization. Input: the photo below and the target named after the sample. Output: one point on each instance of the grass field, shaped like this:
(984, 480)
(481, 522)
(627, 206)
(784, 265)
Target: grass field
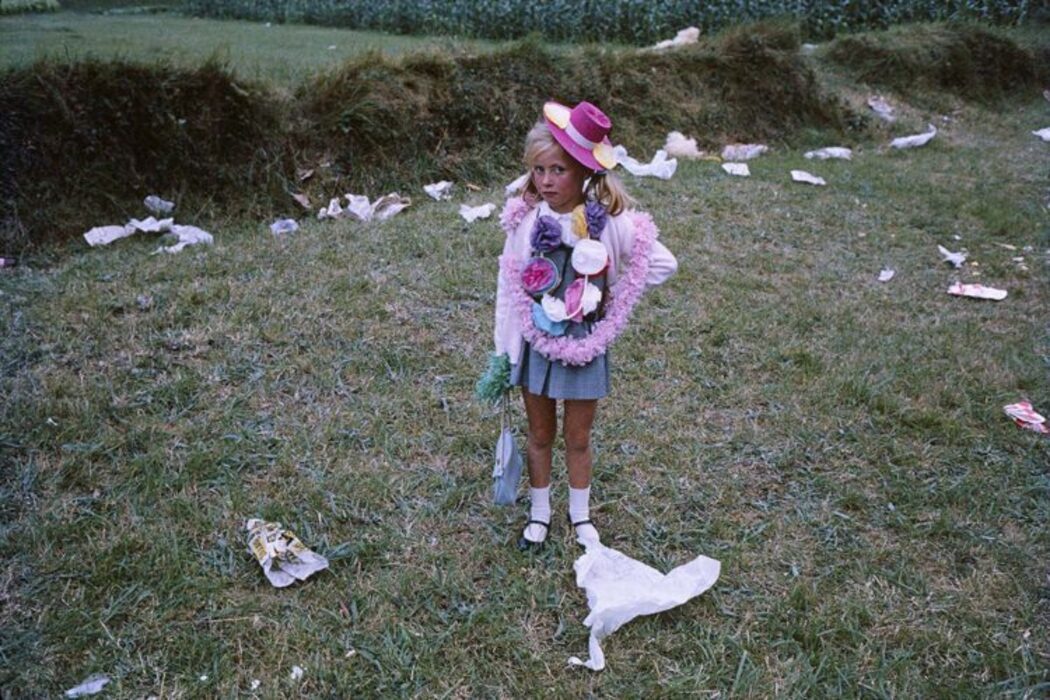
(837, 443)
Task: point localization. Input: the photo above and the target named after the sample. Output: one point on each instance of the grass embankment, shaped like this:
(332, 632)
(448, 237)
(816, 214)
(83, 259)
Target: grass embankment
(837, 443)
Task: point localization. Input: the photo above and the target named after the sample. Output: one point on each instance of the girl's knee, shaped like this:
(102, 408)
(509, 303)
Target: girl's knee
(577, 441)
(540, 439)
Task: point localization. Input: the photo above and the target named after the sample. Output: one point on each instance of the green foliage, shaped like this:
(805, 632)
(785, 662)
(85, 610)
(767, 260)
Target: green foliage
(10, 7)
(629, 21)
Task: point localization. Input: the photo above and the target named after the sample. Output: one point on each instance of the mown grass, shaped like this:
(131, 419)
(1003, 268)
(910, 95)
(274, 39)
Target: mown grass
(837, 443)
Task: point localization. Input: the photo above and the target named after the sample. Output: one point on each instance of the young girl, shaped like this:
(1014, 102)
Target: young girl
(575, 262)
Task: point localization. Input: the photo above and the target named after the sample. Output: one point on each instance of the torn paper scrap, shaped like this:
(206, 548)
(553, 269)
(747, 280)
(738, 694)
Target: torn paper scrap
(302, 199)
(882, 108)
(516, 186)
(1025, 417)
(689, 35)
(157, 205)
(831, 152)
(886, 274)
(916, 140)
(187, 235)
(283, 226)
(977, 291)
(1043, 134)
(808, 178)
(104, 235)
(472, 214)
(283, 557)
(297, 672)
(679, 146)
(620, 589)
(660, 166)
(382, 209)
(439, 190)
(333, 211)
(743, 151)
(738, 169)
(91, 686)
(151, 225)
(956, 259)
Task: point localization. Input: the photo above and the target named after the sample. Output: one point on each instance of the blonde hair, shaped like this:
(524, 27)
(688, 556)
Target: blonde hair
(603, 187)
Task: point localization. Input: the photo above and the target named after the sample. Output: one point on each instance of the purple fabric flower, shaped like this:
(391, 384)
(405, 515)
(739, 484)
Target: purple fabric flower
(596, 217)
(546, 236)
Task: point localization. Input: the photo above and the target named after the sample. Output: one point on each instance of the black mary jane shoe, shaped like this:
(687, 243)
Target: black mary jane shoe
(526, 545)
(576, 535)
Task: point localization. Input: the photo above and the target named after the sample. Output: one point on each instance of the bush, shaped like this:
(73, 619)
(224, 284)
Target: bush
(10, 7)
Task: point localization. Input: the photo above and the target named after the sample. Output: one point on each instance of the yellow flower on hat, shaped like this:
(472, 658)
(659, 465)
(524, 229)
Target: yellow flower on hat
(579, 222)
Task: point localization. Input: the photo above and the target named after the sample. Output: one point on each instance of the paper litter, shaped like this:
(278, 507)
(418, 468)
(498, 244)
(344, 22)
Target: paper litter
(359, 207)
(956, 259)
(283, 557)
(187, 235)
(472, 214)
(689, 35)
(831, 152)
(660, 166)
(738, 169)
(1044, 134)
(977, 291)
(743, 151)
(157, 205)
(1025, 417)
(620, 589)
(151, 225)
(282, 226)
(104, 235)
(302, 199)
(91, 686)
(439, 190)
(516, 186)
(916, 140)
(808, 178)
(297, 672)
(332, 211)
(678, 146)
(887, 274)
(807, 49)
(882, 108)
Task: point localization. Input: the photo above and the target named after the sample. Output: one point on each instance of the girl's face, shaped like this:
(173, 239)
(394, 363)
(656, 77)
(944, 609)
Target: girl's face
(559, 179)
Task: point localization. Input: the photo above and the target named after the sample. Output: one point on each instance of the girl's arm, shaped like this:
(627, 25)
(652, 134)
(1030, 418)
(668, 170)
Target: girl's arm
(662, 263)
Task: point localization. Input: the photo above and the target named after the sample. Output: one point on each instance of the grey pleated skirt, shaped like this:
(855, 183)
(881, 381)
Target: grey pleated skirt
(538, 375)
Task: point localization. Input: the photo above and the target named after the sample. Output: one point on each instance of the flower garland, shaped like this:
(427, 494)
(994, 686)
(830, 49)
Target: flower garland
(566, 349)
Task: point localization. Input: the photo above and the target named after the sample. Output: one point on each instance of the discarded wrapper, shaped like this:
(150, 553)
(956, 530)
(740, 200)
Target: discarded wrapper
(104, 235)
(831, 152)
(187, 235)
(359, 207)
(282, 226)
(977, 291)
(157, 205)
(956, 259)
(679, 146)
(439, 190)
(151, 224)
(738, 169)
(808, 178)
(660, 166)
(620, 589)
(916, 140)
(283, 557)
(882, 108)
(472, 214)
(887, 274)
(1025, 417)
(1043, 134)
(92, 685)
(689, 35)
(743, 151)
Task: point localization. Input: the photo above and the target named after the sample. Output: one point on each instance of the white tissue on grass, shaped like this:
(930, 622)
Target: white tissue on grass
(882, 108)
(916, 140)
(830, 152)
(157, 205)
(359, 207)
(679, 146)
(659, 166)
(620, 589)
(439, 190)
(887, 274)
(977, 291)
(282, 226)
(297, 672)
(743, 151)
(104, 235)
(91, 686)
(1044, 134)
(472, 214)
(689, 35)
(516, 186)
(738, 169)
(333, 211)
(956, 259)
(808, 178)
(151, 225)
(187, 235)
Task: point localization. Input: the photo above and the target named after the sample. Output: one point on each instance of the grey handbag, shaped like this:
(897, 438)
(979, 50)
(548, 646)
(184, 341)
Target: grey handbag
(506, 473)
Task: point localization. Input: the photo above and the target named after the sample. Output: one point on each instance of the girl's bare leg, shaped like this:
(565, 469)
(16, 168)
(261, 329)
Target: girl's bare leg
(542, 417)
(579, 417)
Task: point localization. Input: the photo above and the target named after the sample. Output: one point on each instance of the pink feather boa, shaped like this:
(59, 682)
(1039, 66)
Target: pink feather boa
(580, 351)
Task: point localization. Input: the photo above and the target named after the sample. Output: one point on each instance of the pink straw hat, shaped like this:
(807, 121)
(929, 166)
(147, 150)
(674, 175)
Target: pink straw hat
(583, 132)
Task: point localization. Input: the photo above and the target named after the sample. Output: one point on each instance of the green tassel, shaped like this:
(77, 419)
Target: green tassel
(495, 381)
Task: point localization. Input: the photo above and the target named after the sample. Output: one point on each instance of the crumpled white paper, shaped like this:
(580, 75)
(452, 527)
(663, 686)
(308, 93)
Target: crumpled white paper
(91, 686)
(620, 589)
(887, 274)
(359, 207)
(157, 205)
(283, 557)
(738, 169)
(976, 291)
(282, 226)
(660, 166)
(472, 214)
(956, 259)
(830, 152)
(1044, 134)
(151, 225)
(439, 190)
(188, 235)
(334, 210)
(104, 235)
(882, 108)
(743, 151)
(916, 140)
(689, 35)
(808, 178)
(679, 146)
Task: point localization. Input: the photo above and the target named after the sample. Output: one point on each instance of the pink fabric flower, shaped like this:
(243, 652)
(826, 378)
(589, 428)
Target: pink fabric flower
(539, 276)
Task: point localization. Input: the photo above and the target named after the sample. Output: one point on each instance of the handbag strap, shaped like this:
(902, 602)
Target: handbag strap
(504, 422)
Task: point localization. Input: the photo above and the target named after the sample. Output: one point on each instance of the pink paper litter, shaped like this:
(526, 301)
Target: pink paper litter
(1025, 417)
(977, 291)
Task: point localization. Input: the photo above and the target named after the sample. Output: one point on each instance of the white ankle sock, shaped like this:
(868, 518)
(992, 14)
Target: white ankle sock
(540, 509)
(580, 509)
